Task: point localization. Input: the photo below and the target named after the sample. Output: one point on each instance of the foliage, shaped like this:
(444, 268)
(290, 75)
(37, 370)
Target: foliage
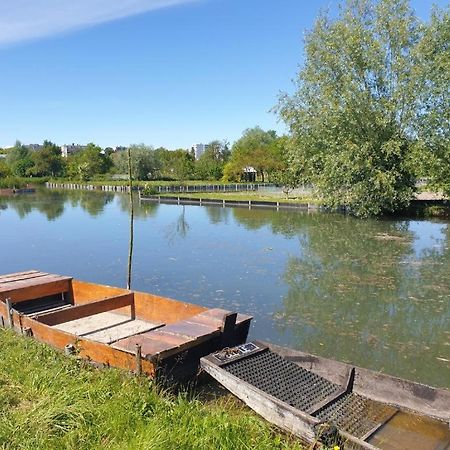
(54, 402)
(433, 66)
(5, 170)
(288, 176)
(88, 163)
(47, 161)
(357, 100)
(144, 162)
(256, 148)
(19, 160)
(11, 183)
(149, 190)
(211, 163)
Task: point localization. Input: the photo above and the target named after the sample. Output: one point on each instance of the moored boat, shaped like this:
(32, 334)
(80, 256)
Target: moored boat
(131, 330)
(334, 403)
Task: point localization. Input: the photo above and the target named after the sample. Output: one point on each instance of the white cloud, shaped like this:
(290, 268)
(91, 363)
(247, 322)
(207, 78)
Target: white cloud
(30, 19)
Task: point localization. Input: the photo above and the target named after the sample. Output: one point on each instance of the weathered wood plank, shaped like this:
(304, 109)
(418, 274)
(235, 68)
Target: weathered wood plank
(42, 288)
(18, 275)
(121, 331)
(31, 276)
(87, 309)
(11, 285)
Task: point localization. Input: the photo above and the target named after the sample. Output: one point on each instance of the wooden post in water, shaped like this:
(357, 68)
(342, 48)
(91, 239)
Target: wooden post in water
(130, 248)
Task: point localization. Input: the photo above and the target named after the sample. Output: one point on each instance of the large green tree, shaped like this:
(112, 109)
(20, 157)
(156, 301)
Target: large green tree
(89, 162)
(433, 66)
(145, 162)
(256, 148)
(48, 160)
(355, 108)
(211, 163)
(19, 160)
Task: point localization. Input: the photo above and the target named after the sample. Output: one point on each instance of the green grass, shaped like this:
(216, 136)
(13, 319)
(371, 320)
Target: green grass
(12, 183)
(246, 195)
(50, 401)
(19, 182)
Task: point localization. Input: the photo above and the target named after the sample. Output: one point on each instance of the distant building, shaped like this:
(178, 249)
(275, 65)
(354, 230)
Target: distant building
(34, 147)
(199, 149)
(70, 149)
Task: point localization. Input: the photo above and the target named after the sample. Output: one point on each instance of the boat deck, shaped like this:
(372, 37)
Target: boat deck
(287, 392)
(113, 325)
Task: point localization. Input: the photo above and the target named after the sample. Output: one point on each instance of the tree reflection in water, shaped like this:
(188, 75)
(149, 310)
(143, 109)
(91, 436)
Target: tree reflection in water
(357, 291)
(51, 202)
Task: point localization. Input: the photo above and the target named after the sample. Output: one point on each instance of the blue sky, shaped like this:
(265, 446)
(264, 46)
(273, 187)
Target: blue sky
(162, 72)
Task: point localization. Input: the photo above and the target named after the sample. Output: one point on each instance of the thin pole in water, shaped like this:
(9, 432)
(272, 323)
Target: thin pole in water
(130, 248)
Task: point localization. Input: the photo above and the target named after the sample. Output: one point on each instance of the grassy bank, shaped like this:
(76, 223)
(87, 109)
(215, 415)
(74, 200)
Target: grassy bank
(247, 195)
(50, 401)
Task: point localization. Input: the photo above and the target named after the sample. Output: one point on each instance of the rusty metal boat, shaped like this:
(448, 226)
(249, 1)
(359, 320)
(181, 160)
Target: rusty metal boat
(333, 403)
(131, 330)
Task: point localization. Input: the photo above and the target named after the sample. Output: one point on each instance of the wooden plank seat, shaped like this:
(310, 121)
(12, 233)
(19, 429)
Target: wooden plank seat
(106, 327)
(24, 286)
(95, 321)
(179, 336)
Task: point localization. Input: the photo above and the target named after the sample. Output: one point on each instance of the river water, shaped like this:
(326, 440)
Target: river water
(372, 292)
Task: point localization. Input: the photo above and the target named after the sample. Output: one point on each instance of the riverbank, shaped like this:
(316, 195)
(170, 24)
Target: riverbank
(244, 199)
(50, 401)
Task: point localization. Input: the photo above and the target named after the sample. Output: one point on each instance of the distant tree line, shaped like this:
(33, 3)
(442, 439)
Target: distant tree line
(258, 149)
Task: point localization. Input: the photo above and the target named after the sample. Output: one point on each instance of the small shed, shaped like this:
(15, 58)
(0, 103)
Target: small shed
(249, 174)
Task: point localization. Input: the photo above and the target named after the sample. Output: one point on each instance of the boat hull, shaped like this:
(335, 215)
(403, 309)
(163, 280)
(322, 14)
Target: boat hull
(306, 395)
(132, 330)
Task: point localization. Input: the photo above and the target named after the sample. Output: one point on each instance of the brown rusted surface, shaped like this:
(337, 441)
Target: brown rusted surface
(189, 329)
(85, 292)
(87, 309)
(162, 309)
(27, 286)
(173, 333)
(149, 347)
(147, 306)
(91, 350)
(217, 314)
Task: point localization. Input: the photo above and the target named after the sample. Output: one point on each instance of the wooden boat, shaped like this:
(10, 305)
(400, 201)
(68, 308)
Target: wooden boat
(333, 403)
(116, 327)
(14, 191)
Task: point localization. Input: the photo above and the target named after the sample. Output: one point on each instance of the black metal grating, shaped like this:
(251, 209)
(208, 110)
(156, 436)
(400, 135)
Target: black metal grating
(355, 414)
(282, 379)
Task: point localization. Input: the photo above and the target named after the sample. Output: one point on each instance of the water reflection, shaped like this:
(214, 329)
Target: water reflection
(373, 292)
(51, 203)
(178, 228)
